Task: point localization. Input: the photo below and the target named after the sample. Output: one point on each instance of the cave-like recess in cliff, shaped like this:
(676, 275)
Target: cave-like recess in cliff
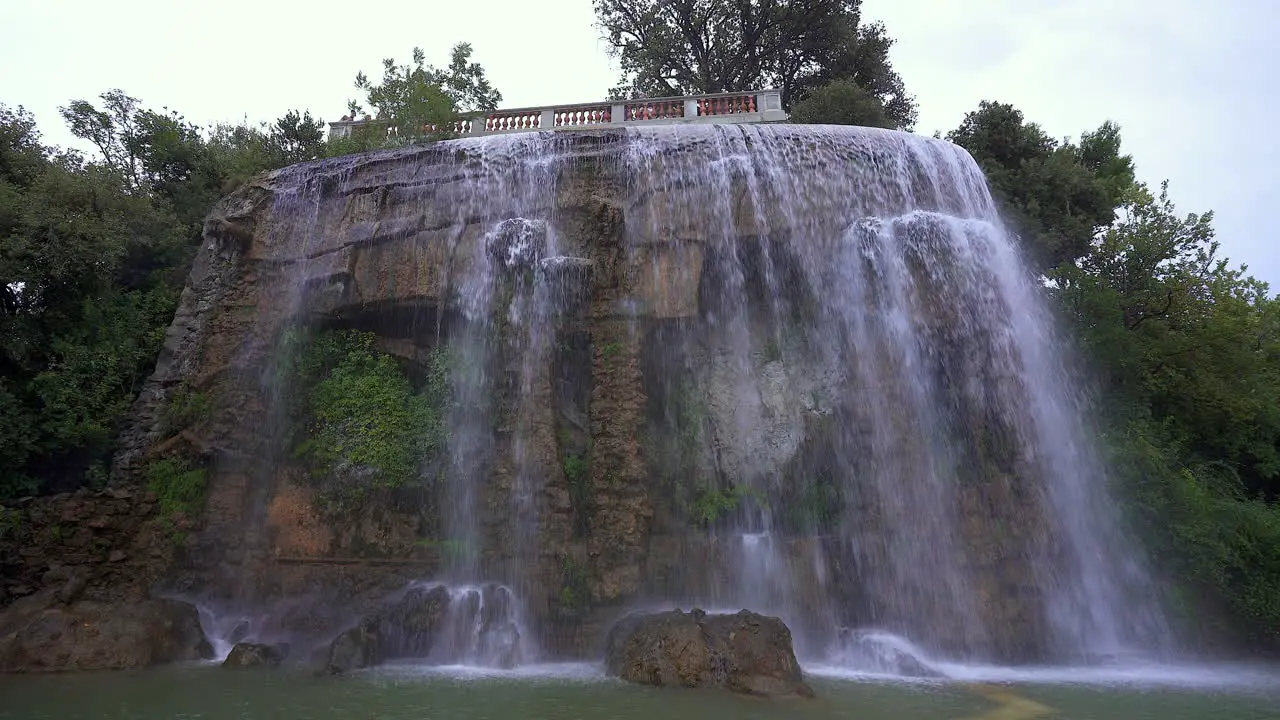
(799, 369)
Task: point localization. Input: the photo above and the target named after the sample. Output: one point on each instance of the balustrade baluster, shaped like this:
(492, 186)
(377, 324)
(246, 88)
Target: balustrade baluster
(639, 110)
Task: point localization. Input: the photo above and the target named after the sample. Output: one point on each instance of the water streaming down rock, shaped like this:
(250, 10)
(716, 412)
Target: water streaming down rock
(866, 299)
(791, 368)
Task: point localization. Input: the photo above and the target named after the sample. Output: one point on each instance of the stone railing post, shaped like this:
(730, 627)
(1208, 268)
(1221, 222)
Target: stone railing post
(769, 105)
(691, 107)
(617, 114)
(548, 120)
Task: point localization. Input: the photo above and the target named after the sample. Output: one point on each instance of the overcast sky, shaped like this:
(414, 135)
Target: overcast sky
(1194, 85)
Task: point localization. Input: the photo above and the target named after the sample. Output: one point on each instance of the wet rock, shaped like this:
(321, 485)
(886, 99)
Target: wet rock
(37, 635)
(56, 574)
(499, 641)
(74, 587)
(408, 628)
(568, 282)
(359, 647)
(239, 632)
(517, 243)
(246, 654)
(744, 652)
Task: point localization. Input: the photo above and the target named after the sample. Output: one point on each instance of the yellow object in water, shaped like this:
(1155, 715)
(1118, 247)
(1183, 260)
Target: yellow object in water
(1011, 706)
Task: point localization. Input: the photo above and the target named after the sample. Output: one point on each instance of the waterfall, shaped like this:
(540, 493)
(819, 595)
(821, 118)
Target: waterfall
(861, 283)
(846, 402)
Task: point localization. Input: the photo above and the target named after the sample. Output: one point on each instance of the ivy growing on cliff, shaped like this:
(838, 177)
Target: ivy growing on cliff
(178, 485)
(362, 424)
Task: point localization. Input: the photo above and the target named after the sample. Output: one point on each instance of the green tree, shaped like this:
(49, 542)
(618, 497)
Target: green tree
(93, 255)
(1055, 196)
(682, 47)
(1188, 350)
(112, 130)
(82, 311)
(417, 100)
(842, 102)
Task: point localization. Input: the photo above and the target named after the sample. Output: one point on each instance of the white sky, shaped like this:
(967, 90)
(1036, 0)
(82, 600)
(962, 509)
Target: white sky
(1193, 84)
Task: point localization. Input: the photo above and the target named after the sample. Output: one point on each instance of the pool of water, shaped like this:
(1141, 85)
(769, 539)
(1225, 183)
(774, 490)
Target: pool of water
(566, 691)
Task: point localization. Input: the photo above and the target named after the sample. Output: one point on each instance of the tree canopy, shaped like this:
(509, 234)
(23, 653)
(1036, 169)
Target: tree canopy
(419, 100)
(1055, 195)
(93, 255)
(685, 47)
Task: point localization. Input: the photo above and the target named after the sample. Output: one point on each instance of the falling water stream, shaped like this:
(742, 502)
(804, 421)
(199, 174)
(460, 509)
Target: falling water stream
(874, 381)
(868, 270)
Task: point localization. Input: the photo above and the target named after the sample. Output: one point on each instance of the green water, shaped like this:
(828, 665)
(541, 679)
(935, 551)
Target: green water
(211, 693)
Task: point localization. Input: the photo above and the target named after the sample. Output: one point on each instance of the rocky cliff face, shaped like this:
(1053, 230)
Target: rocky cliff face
(660, 390)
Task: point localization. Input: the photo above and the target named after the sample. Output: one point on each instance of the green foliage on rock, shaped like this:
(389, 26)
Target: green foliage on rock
(363, 426)
(186, 407)
(681, 455)
(178, 485)
(705, 506)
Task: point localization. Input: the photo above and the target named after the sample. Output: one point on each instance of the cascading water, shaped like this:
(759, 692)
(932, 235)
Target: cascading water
(865, 275)
(847, 391)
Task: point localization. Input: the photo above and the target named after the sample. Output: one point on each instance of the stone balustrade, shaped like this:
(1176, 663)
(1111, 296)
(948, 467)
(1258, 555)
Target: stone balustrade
(749, 107)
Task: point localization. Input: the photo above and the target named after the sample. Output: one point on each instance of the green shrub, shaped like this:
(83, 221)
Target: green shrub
(709, 505)
(1218, 543)
(186, 407)
(842, 102)
(362, 424)
(179, 487)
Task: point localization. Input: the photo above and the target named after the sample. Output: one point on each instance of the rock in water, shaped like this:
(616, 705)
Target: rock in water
(744, 652)
(37, 637)
(408, 627)
(246, 654)
(359, 647)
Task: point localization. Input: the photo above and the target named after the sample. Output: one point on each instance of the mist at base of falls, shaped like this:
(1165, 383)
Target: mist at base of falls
(851, 405)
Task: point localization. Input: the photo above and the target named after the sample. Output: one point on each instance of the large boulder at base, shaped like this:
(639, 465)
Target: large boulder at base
(359, 647)
(247, 654)
(407, 627)
(744, 652)
(37, 636)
